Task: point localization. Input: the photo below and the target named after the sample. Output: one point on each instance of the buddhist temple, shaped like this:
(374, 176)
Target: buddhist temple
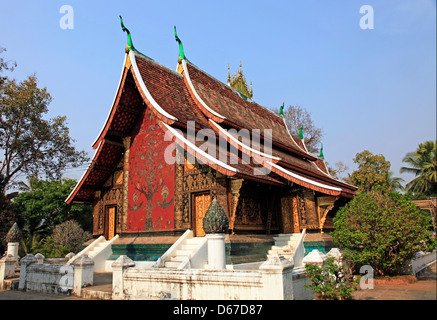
(174, 140)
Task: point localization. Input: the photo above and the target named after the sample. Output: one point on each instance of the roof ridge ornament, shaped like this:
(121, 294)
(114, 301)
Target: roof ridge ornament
(300, 136)
(181, 47)
(281, 109)
(130, 45)
(321, 155)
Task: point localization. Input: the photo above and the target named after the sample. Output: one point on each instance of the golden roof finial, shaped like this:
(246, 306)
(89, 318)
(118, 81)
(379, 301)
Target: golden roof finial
(229, 76)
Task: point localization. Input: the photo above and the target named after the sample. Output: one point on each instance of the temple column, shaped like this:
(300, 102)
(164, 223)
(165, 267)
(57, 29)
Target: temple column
(127, 144)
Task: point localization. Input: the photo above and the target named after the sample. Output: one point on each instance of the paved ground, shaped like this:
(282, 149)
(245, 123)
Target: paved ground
(424, 288)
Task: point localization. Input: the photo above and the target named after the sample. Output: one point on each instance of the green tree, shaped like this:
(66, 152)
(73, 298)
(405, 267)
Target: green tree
(382, 229)
(43, 206)
(373, 170)
(333, 281)
(30, 143)
(423, 164)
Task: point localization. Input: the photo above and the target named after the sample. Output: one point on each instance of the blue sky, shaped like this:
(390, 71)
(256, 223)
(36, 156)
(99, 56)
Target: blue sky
(371, 89)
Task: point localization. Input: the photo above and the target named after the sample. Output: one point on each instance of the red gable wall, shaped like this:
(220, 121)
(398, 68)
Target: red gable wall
(150, 177)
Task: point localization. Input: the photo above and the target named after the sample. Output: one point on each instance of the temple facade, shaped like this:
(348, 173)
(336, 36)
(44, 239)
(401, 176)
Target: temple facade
(176, 139)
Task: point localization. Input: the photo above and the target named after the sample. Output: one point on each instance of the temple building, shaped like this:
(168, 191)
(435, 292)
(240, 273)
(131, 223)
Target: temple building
(176, 139)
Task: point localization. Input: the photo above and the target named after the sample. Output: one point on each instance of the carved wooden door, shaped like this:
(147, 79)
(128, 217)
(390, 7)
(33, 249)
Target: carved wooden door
(110, 230)
(201, 203)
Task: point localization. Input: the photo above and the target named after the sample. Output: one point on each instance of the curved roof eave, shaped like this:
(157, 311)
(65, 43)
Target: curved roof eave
(158, 110)
(112, 110)
(210, 113)
(308, 183)
(198, 153)
(84, 175)
(241, 146)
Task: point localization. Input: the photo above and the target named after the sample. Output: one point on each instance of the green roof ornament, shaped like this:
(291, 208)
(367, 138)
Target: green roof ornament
(300, 136)
(281, 110)
(181, 47)
(321, 156)
(130, 45)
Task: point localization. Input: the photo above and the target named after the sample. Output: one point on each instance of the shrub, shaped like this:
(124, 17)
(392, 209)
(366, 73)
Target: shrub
(69, 234)
(381, 229)
(331, 282)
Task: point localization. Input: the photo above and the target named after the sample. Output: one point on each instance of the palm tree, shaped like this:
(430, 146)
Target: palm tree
(394, 183)
(423, 164)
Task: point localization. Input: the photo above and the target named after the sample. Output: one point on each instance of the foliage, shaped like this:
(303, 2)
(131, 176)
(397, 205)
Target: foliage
(35, 244)
(382, 229)
(423, 164)
(338, 169)
(331, 282)
(373, 170)
(295, 117)
(43, 206)
(31, 144)
(70, 235)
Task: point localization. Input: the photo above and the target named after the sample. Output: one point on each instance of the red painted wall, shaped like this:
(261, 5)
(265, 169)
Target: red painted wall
(151, 179)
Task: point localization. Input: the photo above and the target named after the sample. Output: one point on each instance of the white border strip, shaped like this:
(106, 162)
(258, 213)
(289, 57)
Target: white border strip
(145, 91)
(265, 155)
(187, 75)
(296, 176)
(201, 152)
(113, 101)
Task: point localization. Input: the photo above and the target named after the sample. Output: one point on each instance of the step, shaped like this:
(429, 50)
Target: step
(178, 258)
(283, 247)
(193, 241)
(95, 294)
(172, 264)
(189, 247)
(182, 252)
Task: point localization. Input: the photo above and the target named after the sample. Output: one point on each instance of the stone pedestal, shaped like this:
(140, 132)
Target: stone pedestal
(216, 251)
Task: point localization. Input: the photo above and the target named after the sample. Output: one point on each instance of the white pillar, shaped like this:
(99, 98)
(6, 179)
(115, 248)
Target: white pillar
(83, 273)
(315, 257)
(277, 278)
(118, 267)
(25, 263)
(216, 251)
(13, 249)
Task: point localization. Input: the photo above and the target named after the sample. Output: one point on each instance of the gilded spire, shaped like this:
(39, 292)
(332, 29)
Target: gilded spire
(229, 76)
(238, 82)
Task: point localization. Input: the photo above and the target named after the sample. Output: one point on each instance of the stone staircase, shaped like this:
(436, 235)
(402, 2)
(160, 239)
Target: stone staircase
(186, 248)
(99, 251)
(285, 244)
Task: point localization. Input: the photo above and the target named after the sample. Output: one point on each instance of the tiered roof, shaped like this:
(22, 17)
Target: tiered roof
(193, 95)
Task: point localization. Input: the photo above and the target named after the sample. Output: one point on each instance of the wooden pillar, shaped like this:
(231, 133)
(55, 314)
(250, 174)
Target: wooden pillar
(287, 213)
(235, 187)
(127, 144)
(179, 177)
